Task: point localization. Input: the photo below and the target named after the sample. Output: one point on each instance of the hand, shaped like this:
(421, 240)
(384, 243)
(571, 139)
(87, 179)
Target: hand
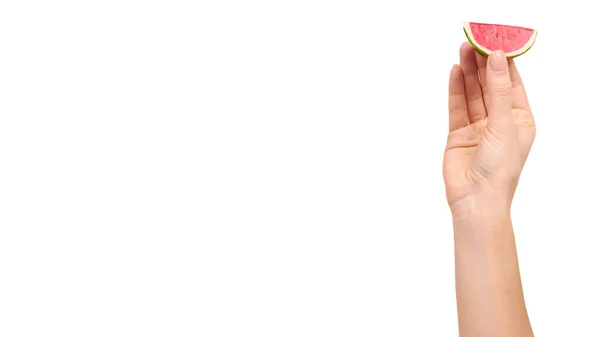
(492, 129)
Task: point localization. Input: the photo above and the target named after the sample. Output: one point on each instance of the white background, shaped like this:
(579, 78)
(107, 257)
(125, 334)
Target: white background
(273, 168)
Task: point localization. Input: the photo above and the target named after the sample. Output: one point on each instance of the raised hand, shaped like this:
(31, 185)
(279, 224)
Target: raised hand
(491, 129)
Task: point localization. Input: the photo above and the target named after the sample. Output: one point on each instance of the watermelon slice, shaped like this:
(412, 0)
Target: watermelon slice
(513, 40)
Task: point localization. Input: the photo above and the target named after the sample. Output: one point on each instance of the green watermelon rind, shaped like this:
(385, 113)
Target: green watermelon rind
(481, 51)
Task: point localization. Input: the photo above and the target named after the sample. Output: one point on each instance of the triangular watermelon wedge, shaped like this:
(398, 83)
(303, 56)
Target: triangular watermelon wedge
(513, 40)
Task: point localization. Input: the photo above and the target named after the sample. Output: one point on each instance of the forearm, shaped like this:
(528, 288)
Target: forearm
(488, 283)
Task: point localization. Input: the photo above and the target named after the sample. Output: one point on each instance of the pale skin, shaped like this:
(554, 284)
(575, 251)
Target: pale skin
(491, 131)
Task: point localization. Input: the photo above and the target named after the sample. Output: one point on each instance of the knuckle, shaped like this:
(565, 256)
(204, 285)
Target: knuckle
(503, 88)
(456, 110)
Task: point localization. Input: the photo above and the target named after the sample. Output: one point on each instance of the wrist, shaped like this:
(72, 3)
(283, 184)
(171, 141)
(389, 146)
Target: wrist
(482, 208)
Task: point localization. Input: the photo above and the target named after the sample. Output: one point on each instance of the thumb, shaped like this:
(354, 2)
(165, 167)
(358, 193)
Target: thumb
(499, 89)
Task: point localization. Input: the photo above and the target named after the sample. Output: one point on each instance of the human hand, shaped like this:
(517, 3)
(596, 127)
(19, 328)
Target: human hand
(491, 133)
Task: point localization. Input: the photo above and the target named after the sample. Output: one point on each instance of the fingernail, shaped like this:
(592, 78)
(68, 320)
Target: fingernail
(498, 60)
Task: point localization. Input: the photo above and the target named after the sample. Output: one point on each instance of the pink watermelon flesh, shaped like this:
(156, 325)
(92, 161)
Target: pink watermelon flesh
(499, 37)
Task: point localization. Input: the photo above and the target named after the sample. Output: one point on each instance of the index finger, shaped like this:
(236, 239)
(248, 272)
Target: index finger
(519, 95)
